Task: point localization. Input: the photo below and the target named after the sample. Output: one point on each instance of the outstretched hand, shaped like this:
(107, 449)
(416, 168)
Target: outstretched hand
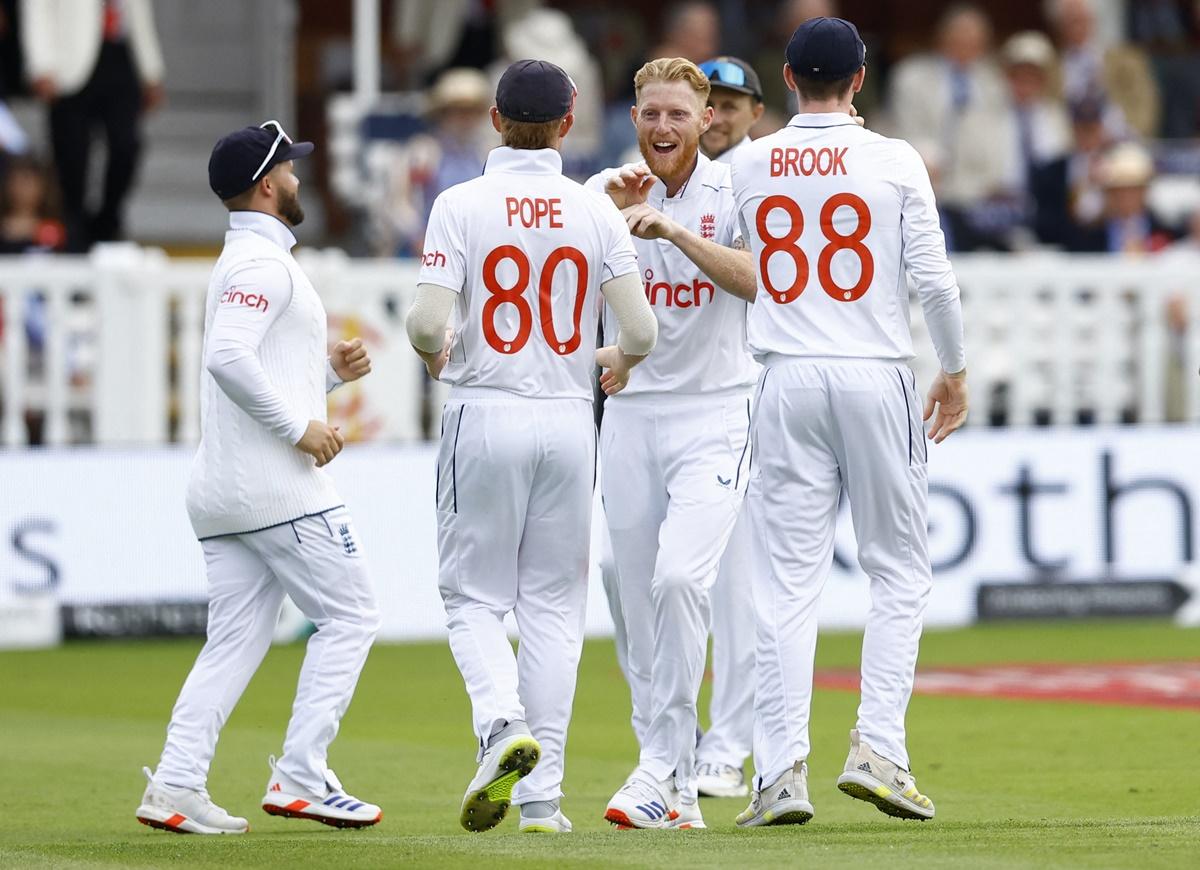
(949, 394)
(630, 185)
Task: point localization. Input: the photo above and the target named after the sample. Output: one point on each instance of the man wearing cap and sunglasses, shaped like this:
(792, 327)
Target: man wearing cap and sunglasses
(836, 215)
(268, 517)
(522, 255)
(737, 104)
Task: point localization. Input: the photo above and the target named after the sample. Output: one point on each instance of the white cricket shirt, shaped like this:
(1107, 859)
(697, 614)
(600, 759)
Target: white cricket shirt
(701, 345)
(527, 249)
(727, 156)
(265, 376)
(835, 215)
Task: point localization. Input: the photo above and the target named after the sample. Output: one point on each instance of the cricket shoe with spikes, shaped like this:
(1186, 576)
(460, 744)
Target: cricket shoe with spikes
(783, 802)
(334, 807)
(644, 803)
(871, 777)
(511, 756)
(185, 811)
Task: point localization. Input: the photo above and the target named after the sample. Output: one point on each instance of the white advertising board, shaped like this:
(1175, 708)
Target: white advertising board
(1057, 508)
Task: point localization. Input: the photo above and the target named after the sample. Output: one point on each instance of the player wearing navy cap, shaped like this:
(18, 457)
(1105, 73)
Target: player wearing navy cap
(269, 519)
(737, 104)
(521, 256)
(836, 216)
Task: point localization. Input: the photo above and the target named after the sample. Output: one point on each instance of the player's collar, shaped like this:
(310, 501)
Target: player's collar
(265, 225)
(543, 161)
(822, 119)
(693, 181)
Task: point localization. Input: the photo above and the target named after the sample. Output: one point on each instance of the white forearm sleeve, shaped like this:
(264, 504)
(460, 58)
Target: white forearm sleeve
(639, 329)
(232, 345)
(427, 319)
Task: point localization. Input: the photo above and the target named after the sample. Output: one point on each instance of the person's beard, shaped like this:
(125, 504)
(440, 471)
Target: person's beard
(289, 207)
(675, 163)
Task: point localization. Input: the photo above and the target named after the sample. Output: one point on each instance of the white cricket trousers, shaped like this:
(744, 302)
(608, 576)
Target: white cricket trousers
(730, 733)
(514, 505)
(673, 472)
(318, 562)
(820, 425)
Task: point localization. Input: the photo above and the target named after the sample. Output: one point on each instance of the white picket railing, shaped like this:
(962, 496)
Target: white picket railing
(1050, 338)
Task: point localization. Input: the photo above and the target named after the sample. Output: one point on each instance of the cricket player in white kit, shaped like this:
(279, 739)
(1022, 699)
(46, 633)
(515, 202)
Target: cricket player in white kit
(675, 442)
(836, 215)
(736, 101)
(521, 255)
(267, 515)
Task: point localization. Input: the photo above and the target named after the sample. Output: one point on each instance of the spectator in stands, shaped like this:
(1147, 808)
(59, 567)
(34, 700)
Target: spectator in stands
(28, 209)
(1039, 134)
(955, 91)
(1091, 138)
(1169, 32)
(431, 37)
(417, 170)
(1178, 313)
(97, 65)
(1128, 227)
(1119, 74)
(549, 34)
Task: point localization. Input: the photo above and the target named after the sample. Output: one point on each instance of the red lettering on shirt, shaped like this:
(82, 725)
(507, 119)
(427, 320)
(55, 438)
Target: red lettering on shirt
(434, 258)
(249, 300)
(807, 161)
(532, 211)
(677, 295)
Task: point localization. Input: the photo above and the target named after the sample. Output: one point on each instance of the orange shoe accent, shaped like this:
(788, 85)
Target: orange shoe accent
(175, 820)
(673, 815)
(618, 818)
(296, 805)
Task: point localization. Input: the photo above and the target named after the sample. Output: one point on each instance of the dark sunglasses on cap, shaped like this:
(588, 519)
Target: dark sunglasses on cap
(725, 72)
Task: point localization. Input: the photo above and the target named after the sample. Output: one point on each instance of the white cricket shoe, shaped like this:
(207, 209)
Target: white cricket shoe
(643, 803)
(185, 811)
(720, 780)
(689, 817)
(285, 797)
(871, 777)
(783, 802)
(488, 796)
(555, 824)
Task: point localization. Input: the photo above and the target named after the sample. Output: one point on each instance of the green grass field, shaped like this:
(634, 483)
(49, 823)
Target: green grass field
(1017, 783)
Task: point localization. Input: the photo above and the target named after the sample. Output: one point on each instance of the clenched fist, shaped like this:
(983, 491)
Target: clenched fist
(349, 360)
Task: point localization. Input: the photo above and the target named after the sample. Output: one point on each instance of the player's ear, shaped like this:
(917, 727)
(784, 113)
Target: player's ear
(859, 78)
(633, 114)
(789, 78)
(706, 118)
(495, 119)
(759, 108)
(567, 123)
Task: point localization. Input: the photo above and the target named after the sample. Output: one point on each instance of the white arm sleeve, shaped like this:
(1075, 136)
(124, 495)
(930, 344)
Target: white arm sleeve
(427, 319)
(252, 300)
(927, 264)
(639, 329)
(332, 379)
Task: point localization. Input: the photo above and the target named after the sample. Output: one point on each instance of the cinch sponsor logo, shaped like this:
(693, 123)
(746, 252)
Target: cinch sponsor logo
(808, 161)
(677, 295)
(250, 300)
(433, 258)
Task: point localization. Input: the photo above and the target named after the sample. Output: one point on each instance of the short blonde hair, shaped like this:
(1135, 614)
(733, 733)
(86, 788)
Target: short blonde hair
(673, 69)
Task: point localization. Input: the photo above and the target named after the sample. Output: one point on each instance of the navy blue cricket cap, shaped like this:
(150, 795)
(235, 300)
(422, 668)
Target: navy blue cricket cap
(246, 155)
(535, 91)
(826, 48)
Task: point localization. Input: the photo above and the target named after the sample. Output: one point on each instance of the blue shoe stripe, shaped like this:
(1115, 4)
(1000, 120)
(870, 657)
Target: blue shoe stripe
(332, 799)
(354, 806)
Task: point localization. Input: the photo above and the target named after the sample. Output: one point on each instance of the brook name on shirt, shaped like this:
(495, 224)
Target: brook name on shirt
(807, 161)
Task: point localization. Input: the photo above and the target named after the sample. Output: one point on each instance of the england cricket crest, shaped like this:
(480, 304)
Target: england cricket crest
(348, 543)
(708, 226)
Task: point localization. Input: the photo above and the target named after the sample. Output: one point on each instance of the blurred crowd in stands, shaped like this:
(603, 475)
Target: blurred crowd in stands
(97, 67)
(1052, 138)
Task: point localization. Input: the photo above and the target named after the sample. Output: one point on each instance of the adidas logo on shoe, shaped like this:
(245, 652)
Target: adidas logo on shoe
(866, 765)
(276, 787)
(783, 794)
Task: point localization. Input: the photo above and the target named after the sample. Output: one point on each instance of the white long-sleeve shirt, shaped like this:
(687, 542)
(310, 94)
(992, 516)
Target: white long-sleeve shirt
(265, 377)
(836, 215)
